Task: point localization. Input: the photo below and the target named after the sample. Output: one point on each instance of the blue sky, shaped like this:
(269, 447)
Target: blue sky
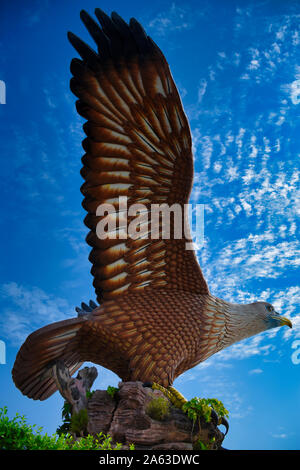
(235, 64)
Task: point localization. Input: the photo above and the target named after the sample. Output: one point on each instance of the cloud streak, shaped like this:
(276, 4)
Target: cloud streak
(26, 309)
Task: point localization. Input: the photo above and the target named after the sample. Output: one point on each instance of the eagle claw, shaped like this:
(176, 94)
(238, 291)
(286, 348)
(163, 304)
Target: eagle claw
(147, 384)
(225, 423)
(219, 420)
(86, 309)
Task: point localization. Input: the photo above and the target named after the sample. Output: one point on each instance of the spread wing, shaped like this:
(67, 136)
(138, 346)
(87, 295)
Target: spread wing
(138, 145)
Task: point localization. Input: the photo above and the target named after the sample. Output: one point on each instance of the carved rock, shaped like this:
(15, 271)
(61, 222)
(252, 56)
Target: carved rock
(100, 410)
(74, 390)
(125, 419)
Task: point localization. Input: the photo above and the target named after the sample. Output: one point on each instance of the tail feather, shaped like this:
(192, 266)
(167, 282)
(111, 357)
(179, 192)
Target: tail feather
(32, 371)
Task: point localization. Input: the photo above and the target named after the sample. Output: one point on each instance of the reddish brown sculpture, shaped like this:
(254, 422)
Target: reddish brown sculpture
(156, 317)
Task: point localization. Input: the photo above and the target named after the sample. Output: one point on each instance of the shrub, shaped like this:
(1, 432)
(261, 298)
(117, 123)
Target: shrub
(16, 434)
(158, 408)
(66, 415)
(199, 445)
(201, 407)
(112, 391)
(79, 422)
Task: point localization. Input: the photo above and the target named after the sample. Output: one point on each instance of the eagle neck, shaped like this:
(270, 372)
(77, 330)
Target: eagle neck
(240, 321)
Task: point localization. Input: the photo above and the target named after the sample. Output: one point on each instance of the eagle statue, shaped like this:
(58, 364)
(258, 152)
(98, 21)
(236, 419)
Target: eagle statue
(156, 317)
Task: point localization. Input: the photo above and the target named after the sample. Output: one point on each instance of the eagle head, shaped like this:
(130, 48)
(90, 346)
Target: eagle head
(271, 318)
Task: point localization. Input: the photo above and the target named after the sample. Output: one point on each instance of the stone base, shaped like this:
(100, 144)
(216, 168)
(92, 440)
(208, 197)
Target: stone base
(126, 420)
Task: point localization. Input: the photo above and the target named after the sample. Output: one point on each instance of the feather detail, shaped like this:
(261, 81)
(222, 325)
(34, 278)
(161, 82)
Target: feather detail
(138, 145)
(32, 371)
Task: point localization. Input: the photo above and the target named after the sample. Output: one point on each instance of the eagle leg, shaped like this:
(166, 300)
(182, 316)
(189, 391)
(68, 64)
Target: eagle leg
(178, 400)
(171, 393)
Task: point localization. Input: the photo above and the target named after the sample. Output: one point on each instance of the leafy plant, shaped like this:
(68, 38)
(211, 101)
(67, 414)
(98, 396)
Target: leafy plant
(219, 408)
(79, 422)
(100, 442)
(201, 407)
(199, 445)
(158, 408)
(198, 408)
(112, 391)
(16, 434)
(66, 415)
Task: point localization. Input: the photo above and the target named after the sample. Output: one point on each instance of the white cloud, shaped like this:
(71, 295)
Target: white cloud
(254, 346)
(217, 167)
(49, 98)
(36, 12)
(202, 90)
(174, 19)
(296, 39)
(255, 371)
(254, 64)
(252, 258)
(29, 308)
(232, 173)
(295, 92)
(203, 145)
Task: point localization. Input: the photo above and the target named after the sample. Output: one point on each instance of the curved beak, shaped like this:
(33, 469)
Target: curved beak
(282, 320)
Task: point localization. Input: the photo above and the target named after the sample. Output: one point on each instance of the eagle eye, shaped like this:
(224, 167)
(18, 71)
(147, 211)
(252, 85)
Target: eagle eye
(270, 308)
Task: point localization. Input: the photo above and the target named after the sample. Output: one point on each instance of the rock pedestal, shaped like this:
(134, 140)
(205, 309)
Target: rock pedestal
(127, 418)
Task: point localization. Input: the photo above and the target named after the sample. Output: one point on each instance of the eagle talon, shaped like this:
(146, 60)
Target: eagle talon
(225, 423)
(93, 304)
(147, 384)
(218, 420)
(178, 400)
(214, 417)
(172, 394)
(86, 309)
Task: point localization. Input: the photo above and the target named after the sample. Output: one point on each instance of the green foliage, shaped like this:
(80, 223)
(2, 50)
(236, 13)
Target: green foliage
(219, 408)
(158, 408)
(79, 422)
(100, 442)
(16, 434)
(89, 394)
(112, 390)
(196, 408)
(66, 415)
(199, 445)
(201, 407)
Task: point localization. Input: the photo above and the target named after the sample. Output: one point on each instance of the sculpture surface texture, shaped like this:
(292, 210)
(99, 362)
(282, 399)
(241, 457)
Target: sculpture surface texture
(156, 316)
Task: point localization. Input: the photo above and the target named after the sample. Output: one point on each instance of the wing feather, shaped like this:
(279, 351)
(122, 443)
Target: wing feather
(138, 145)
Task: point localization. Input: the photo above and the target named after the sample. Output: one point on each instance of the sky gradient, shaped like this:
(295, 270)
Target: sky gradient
(236, 65)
